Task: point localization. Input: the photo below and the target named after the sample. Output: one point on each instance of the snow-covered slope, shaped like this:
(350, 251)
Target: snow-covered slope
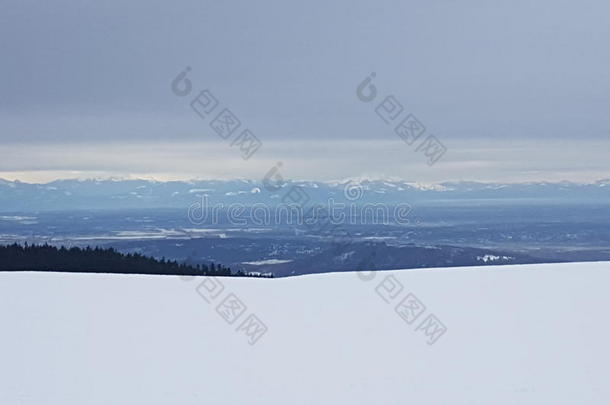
(532, 334)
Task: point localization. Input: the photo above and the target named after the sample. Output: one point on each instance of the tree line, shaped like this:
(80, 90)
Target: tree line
(45, 257)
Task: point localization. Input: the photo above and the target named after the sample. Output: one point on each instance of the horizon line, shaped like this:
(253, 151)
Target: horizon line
(356, 179)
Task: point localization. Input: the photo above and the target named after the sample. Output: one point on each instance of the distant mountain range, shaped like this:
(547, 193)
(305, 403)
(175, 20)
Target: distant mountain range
(16, 196)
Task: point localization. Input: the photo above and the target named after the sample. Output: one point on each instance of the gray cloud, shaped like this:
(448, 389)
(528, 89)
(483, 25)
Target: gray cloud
(100, 71)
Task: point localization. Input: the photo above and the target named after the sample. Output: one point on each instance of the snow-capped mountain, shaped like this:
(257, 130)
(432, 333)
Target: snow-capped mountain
(124, 194)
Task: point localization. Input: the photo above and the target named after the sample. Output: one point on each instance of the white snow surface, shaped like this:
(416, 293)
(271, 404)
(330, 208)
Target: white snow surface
(530, 334)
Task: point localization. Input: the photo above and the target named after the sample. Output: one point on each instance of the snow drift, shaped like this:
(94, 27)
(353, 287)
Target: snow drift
(530, 334)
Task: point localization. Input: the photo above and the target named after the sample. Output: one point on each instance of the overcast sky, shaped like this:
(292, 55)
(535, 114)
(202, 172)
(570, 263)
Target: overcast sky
(515, 90)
